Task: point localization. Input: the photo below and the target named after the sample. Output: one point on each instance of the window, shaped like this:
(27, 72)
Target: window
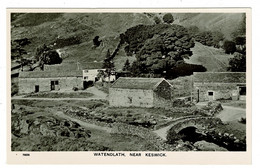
(210, 93)
(85, 77)
(56, 82)
(242, 91)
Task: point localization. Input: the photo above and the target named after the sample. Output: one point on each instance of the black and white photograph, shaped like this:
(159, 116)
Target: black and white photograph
(143, 81)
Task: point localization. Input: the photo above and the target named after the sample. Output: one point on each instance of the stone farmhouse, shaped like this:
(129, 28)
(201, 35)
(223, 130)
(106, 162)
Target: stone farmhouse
(140, 92)
(210, 86)
(39, 81)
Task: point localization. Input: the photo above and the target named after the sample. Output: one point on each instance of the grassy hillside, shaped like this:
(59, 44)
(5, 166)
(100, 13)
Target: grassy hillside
(213, 59)
(47, 28)
(226, 23)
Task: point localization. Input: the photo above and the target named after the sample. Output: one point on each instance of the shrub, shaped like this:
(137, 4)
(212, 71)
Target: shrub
(229, 47)
(168, 18)
(242, 120)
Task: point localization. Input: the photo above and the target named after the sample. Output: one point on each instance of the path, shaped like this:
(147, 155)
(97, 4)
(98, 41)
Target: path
(82, 123)
(228, 113)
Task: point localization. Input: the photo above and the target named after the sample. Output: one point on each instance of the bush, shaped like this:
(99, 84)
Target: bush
(229, 47)
(168, 18)
(242, 120)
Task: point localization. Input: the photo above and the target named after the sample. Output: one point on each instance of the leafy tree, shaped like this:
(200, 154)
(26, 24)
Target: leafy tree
(229, 47)
(40, 50)
(96, 41)
(240, 40)
(193, 30)
(238, 63)
(126, 66)
(168, 18)
(216, 38)
(51, 57)
(205, 38)
(162, 52)
(108, 63)
(156, 20)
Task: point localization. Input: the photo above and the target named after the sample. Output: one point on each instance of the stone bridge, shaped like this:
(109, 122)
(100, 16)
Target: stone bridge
(179, 124)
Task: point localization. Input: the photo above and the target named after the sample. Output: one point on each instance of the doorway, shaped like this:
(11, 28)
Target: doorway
(37, 88)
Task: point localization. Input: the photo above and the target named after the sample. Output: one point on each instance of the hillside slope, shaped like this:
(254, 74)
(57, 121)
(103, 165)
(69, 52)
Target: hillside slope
(226, 23)
(213, 59)
(48, 28)
(84, 26)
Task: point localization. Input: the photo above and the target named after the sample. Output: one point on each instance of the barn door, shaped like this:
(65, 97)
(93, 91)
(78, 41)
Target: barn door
(52, 85)
(37, 88)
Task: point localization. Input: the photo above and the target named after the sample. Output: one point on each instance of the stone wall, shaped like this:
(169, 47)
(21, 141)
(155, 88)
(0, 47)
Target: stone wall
(163, 95)
(220, 91)
(27, 85)
(130, 97)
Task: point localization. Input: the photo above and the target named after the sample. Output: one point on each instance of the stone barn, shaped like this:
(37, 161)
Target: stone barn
(210, 86)
(39, 81)
(140, 92)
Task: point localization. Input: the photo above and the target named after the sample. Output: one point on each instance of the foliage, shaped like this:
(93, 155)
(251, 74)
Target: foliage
(96, 41)
(40, 50)
(185, 69)
(229, 47)
(156, 20)
(108, 63)
(17, 47)
(193, 30)
(160, 53)
(168, 18)
(237, 63)
(126, 66)
(240, 40)
(242, 120)
(51, 57)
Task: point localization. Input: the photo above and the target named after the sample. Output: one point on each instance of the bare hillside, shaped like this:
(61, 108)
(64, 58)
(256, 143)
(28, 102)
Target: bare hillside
(213, 59)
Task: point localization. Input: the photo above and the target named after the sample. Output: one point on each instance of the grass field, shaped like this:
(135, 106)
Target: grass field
(213, 59)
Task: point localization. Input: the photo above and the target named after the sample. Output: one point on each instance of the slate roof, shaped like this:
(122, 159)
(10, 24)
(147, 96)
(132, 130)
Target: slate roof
(219, 77)
(50, 74)
(137, 83)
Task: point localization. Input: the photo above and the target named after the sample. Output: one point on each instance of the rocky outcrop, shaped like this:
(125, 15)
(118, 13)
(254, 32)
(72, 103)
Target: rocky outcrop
(47, 126)
(207, 146)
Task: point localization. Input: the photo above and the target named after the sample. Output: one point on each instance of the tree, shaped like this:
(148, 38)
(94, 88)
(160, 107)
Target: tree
(108, 63)
(96, 41)
(229, 47)
(156, 20)
(238, 63)
(40, 50)
(162, 52)
(216, 38)
(168, 18)
(126, 66)
(51, 57)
